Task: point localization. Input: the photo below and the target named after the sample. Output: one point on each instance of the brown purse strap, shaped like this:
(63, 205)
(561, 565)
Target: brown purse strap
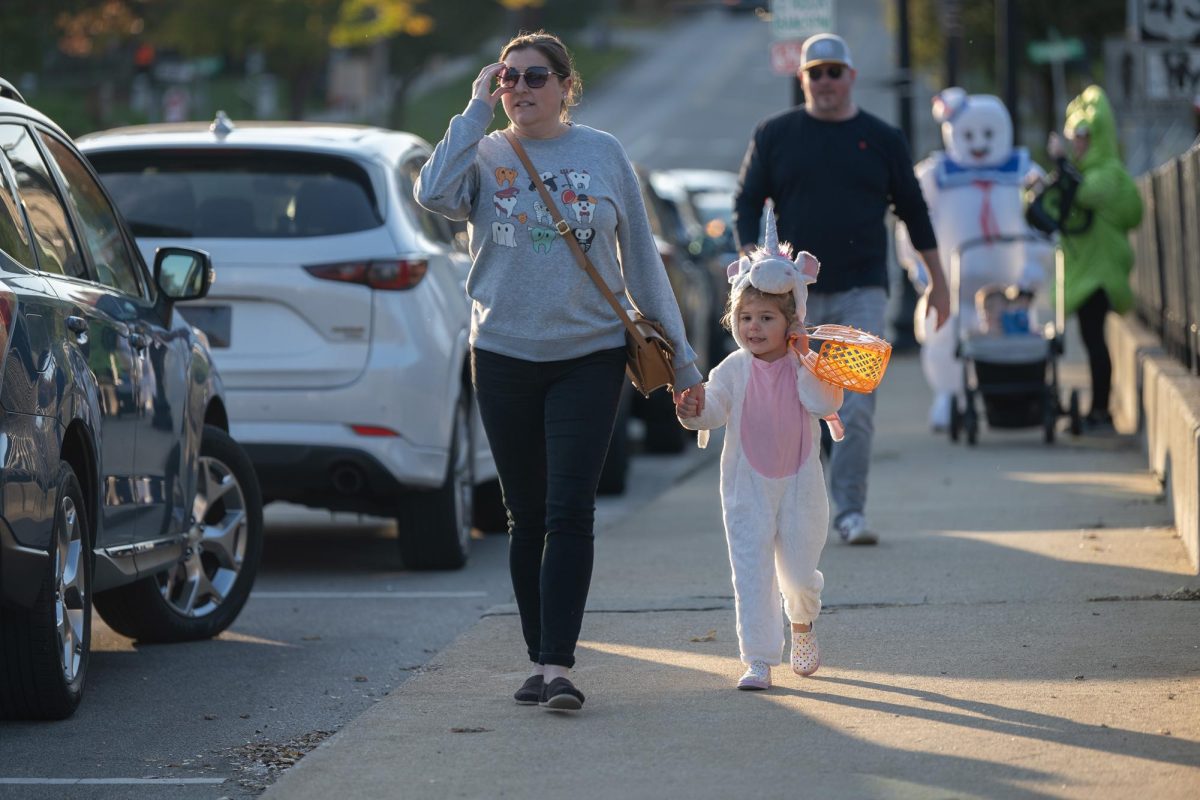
(564, 230)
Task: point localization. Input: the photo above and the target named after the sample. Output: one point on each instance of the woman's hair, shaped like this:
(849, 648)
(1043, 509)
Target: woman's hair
(560, 60)
(786, 303)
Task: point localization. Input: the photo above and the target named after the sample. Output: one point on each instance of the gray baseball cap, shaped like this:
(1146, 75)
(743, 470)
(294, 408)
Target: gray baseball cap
(824, 48)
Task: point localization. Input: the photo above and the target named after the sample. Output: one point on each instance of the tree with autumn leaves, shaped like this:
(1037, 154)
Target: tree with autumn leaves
(294, 37)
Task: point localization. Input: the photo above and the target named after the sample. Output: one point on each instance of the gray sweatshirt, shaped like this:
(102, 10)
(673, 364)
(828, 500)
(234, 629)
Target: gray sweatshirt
(530, 298)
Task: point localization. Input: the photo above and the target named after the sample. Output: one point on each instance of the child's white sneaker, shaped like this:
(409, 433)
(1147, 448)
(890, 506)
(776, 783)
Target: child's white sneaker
(806, 653)
(758, 676)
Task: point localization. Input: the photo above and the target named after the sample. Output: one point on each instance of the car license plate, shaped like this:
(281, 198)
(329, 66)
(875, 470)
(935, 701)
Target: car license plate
(215, 321)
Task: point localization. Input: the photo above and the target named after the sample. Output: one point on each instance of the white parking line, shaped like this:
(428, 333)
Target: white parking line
(364, 595)
(108, 781)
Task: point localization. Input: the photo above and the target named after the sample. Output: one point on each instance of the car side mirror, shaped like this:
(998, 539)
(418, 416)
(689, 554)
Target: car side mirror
(183, 273)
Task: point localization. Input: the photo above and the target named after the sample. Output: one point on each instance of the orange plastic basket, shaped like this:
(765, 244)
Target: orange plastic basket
(850, 358)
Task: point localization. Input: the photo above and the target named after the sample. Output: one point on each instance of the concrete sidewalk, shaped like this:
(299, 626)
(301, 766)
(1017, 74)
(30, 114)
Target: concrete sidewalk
(1009, 637)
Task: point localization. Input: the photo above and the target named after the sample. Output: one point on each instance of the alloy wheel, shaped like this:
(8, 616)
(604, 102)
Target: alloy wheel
(216, 544)
(70, 589)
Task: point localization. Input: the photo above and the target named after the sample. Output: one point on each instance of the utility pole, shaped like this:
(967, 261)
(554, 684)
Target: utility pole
(952, 26)
(904, 76)
(902, 321)
(1007, 48)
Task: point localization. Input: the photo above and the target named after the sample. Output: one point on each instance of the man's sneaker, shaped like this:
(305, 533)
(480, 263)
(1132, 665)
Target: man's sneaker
(851, 528)
(758, 676)
(806, 653)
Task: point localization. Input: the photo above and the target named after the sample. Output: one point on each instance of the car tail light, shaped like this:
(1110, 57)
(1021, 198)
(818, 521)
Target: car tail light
(373, 430)
(388, 274)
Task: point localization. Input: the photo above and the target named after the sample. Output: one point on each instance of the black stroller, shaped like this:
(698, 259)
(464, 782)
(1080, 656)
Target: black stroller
(1014, 370)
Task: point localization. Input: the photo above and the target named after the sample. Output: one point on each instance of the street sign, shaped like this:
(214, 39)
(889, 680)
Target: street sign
(1051, 50)
(799, 19)
(785, 56)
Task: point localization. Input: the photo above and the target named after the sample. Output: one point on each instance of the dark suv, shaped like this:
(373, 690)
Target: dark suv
(119, 485)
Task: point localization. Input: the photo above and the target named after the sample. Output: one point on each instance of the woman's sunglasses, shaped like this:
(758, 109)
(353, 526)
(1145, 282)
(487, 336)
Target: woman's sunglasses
(535, 77)
(816, 73)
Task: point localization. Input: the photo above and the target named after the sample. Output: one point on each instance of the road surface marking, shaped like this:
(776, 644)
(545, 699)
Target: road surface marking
(108, 781)
(364, 595)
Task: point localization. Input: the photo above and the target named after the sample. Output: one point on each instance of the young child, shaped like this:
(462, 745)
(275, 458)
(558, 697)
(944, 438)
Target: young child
(773, 498)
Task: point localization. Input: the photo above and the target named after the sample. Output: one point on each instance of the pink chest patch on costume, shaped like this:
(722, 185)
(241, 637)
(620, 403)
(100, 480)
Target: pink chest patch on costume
(776, 434)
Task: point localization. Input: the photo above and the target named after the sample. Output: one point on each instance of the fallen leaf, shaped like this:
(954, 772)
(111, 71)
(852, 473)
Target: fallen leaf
(470, 730)
(711, 636)
(1078, 677)
(360, 678)
(210, 716)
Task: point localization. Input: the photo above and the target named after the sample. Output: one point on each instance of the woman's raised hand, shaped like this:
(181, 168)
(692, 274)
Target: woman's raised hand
(482, 88)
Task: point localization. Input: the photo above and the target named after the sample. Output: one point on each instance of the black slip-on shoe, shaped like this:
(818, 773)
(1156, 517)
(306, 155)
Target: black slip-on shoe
(530, 693)
(562, 695)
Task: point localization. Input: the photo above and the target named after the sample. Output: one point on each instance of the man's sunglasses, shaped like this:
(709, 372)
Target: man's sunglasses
(816, 73)
(535, 77)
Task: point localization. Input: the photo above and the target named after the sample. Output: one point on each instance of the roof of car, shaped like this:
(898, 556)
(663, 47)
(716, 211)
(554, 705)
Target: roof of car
(252, 134)
(8, 105)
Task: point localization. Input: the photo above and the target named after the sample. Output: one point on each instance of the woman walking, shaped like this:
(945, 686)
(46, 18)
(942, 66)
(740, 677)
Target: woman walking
(547, 351)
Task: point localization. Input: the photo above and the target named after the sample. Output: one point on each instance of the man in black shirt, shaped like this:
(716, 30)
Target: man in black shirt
(833, 170)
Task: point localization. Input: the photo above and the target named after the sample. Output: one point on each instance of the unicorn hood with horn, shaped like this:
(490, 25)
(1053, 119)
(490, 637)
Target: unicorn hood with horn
(770, 268)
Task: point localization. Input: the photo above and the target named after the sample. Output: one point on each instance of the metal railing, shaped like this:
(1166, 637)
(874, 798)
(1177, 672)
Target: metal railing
(1166, 269)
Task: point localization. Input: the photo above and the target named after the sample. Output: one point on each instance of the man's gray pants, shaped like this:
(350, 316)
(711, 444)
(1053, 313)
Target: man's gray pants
(850, 459)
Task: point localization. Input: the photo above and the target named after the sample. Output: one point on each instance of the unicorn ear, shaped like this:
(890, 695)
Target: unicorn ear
(808, 265)
(737, 268)
(947, 103)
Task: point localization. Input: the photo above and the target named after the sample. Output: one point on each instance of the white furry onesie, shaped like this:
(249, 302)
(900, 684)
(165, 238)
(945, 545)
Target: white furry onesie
(775, 526)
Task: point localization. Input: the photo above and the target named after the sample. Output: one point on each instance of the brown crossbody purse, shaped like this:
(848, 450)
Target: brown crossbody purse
(648, 353)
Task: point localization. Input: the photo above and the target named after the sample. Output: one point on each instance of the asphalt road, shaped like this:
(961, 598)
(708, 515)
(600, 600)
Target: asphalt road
(694, 95)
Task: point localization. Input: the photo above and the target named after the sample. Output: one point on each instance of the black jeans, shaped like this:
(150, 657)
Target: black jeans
(549, 425)
(1091, 327)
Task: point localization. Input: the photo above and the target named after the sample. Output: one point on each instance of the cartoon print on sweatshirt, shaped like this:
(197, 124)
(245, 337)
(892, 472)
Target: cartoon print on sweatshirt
(541, 212)
(583, 205)
(506, 201)
(584, 237)
(578, 178)
(542, 238)
(548, 179)
(505, 175)
(504, 233)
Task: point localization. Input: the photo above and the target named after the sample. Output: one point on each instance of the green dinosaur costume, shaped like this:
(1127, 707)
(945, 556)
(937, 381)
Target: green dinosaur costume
(1100, 257)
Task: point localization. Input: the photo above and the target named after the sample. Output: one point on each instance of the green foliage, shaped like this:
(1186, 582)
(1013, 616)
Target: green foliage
(1091, 21)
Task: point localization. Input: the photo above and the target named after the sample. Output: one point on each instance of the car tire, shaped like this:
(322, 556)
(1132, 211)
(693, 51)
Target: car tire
(434, 525)
(44, 649)
(202, 593)
(490, 514)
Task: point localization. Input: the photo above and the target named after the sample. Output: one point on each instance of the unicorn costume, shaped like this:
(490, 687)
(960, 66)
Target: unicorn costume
(773, 498)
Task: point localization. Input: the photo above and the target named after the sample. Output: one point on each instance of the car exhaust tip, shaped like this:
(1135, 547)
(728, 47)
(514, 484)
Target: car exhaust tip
(348, 478)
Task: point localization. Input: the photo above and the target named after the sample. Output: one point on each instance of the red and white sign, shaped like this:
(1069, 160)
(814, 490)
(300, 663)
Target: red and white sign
(785, 56)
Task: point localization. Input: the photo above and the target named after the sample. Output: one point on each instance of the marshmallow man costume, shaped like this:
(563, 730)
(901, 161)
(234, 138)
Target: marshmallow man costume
(973, 190)
(773, 499)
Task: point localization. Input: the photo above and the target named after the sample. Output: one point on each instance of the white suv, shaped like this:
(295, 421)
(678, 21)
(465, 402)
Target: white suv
(339, 317)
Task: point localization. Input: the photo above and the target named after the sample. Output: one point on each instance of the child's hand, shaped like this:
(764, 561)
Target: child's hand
(689, 406)
(799, 341)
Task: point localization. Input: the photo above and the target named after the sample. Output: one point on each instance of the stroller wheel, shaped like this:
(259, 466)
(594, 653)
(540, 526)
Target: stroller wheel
(955, 419)
(1076, 417)
(971, 422)
(1049, 415)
